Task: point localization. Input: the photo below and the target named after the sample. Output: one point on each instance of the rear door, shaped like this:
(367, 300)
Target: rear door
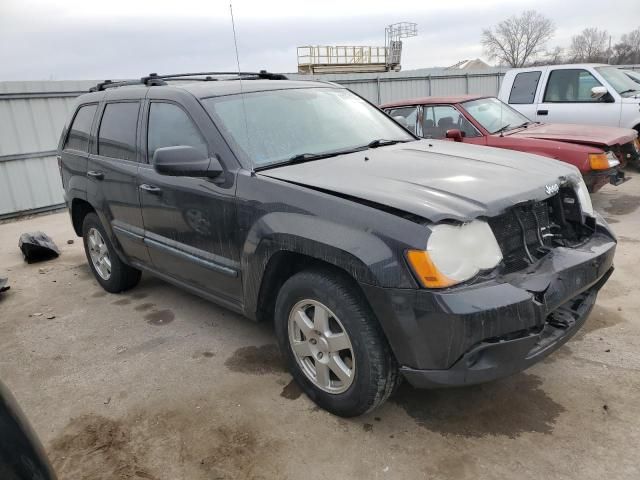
(112, 173)
(190, 223)
(566, 98)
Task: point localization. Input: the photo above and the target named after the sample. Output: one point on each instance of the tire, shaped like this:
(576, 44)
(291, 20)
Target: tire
(374, 372)
(117, 278)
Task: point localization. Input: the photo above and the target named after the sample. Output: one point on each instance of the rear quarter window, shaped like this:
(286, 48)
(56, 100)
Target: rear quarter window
(80, 131)
(523, 90)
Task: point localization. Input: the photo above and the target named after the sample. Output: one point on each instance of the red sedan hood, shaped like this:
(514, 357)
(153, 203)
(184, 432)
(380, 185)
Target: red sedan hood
(585, 134)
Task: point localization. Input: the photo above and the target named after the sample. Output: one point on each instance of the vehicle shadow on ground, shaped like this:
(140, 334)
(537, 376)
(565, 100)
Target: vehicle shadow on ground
(508, 407)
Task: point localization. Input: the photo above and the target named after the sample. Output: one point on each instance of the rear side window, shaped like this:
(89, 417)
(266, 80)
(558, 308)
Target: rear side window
(410, 114)
(524, 87)
(570, 86)
(170, 126)
(117, 134)
(80, 130)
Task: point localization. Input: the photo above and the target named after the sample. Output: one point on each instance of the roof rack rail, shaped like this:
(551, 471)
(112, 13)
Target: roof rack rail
(262, 74)
(153, 79)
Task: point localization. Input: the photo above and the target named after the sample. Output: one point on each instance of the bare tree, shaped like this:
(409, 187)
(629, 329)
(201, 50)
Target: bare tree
(628, 50)
(590, 45)
(517, 40)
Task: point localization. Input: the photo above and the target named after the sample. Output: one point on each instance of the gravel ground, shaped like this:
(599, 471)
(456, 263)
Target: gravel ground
(159, 384)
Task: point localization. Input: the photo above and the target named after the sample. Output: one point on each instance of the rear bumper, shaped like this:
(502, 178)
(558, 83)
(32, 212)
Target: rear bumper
(482, 332)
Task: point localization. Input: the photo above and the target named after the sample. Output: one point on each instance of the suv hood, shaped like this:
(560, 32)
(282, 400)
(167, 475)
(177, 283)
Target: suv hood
(584, 134)
(433, 179)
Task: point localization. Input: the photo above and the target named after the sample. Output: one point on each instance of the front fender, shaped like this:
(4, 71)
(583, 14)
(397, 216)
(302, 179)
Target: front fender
(363, 255)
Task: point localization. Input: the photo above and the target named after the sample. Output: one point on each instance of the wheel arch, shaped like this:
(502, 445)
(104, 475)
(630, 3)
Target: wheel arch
(79, 210)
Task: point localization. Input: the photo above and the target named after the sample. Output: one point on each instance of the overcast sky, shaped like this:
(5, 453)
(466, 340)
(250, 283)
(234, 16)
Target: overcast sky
(93, 39)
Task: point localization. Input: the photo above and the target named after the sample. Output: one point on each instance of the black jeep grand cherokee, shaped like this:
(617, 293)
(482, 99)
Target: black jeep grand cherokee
(375, 253)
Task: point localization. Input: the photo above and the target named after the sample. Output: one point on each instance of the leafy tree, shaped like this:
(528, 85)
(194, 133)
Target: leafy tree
(517, 40)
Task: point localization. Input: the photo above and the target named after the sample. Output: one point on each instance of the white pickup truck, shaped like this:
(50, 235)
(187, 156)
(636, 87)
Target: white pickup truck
(581, 93)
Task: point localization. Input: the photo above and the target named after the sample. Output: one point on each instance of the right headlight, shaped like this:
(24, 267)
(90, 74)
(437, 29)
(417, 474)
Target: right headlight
(583, 197)
(455, 253)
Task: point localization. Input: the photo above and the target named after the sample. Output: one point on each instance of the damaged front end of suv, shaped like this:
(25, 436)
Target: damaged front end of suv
(504, 291)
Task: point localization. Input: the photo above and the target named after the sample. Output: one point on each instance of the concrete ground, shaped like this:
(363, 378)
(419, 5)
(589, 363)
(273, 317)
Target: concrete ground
(159, 384)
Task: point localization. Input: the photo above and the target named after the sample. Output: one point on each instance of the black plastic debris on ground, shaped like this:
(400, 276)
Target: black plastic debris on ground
(37, 246)
(3, 284)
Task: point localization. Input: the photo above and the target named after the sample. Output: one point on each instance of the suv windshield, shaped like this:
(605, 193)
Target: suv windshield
(494, 115)
(619, 80)
(274, 126)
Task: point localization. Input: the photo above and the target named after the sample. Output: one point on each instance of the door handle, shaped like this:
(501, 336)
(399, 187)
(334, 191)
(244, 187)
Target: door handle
(95, 174)
(151, 189)
(543, 112)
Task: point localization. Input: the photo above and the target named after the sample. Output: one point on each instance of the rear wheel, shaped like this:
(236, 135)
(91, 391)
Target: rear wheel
(333, 344)
(111, 273)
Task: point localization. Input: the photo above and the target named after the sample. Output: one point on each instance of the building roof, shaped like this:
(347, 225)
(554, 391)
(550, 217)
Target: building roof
(475, 64)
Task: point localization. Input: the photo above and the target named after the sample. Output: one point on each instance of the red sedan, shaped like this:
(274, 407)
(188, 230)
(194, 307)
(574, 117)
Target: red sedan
(599, 152)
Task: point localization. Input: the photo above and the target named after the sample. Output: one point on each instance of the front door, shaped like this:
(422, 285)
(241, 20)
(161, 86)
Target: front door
(190, 223)
(567, 99)
(111, 176)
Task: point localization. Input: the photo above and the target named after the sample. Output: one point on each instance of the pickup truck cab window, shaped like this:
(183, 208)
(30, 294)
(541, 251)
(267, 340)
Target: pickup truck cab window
(570, 86)
(170, 126)
(524, 87)
(272, 126)
(117, 134)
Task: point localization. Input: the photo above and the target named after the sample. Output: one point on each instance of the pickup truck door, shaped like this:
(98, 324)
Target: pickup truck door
(564, 96)
(190, 223)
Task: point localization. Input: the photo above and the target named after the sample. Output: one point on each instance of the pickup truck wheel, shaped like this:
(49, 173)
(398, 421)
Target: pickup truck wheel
(333, 344)
(111, 273)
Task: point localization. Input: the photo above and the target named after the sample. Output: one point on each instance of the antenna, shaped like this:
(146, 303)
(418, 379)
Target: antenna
(244, 109)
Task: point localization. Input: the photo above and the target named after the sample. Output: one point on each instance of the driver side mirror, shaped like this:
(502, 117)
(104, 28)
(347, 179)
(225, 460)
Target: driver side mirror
(185, 161)
(598, 92)
(455, 134)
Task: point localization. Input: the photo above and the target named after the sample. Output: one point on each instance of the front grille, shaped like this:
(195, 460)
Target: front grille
(523, 233)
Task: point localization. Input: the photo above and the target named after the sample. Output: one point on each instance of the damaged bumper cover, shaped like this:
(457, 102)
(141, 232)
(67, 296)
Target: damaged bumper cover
(490, 330)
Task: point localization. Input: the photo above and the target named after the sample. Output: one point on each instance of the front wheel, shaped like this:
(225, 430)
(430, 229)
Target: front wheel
(112, 274)
(333, 344)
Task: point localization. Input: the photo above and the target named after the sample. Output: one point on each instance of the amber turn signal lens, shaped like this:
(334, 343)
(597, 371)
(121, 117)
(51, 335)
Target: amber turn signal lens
(599, 161)
(426, 271)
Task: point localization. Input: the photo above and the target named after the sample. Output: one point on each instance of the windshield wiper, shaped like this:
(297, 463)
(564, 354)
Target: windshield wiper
(629, 91)
(502, 129)
(381, 142)
(307, 157)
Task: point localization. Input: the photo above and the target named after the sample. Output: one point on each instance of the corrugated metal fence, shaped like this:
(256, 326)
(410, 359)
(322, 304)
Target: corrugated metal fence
(385, 88)
(32, 115)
